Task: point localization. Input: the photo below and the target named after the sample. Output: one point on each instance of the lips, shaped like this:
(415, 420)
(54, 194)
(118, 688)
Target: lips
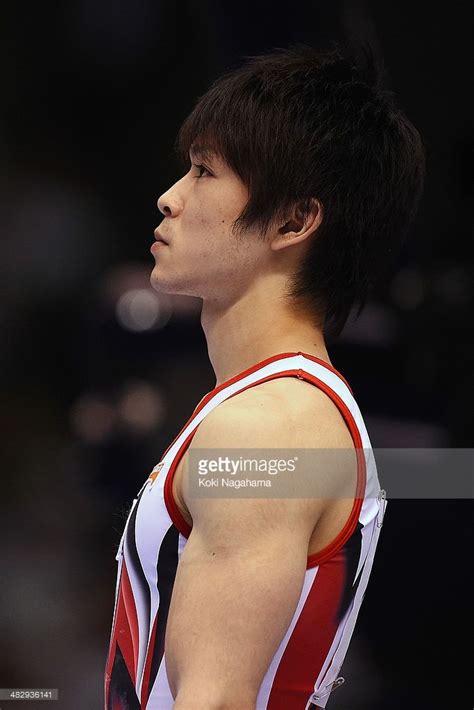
(159, 237)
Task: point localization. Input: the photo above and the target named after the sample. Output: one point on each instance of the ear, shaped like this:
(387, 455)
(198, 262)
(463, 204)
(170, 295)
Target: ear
(299, 227)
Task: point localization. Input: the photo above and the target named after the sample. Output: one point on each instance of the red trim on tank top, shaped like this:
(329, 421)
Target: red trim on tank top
(173, 510)
(329, 550)
(273, 358)
(262, 364)
(328, 367)
(323, 555)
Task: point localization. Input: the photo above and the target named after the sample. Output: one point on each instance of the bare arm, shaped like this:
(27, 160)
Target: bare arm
(240, 576)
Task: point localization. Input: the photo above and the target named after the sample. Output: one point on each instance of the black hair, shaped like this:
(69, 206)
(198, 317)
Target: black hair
(300, 123)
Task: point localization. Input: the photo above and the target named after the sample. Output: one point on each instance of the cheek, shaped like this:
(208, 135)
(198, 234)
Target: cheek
(200, 217)
(204, 231)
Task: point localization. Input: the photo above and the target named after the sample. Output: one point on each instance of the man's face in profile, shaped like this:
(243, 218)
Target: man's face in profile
(202, 256)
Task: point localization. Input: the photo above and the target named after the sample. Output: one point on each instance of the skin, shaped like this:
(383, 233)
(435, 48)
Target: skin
(241, 279)
(246, 317)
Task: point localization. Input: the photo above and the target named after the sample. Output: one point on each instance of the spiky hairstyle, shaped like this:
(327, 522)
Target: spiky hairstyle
(299, 123)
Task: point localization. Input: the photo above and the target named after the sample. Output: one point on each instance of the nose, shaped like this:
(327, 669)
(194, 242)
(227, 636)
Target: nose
(169, 203)
(163, 206)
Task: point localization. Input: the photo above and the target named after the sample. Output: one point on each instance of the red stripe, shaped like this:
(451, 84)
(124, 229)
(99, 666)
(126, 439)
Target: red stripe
(121, 636)
(129, 603)
(148, 660)
(310, 640)
(111, 655)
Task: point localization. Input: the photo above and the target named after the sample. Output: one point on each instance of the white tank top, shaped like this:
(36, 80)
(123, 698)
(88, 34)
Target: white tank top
(305, 667)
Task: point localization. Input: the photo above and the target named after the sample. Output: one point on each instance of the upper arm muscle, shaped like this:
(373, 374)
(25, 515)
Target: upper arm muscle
(242, 570)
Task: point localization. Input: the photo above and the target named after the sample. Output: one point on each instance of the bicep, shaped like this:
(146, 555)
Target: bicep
(230, 609)
(242, 570)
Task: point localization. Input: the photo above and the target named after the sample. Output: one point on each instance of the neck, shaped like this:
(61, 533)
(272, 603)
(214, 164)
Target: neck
(244, 332)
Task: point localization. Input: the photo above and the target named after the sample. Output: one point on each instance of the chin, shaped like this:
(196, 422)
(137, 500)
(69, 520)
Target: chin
(161, 285)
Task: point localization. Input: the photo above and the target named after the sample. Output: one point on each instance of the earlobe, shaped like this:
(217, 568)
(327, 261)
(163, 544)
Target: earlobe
(288, 239)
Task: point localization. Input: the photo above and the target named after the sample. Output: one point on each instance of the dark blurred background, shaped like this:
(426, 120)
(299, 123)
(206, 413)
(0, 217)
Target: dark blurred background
(99, 373)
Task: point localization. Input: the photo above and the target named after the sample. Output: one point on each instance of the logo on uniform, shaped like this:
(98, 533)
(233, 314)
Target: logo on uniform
(155, 473)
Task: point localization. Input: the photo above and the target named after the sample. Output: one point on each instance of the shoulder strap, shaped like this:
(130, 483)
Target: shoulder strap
(283, 365)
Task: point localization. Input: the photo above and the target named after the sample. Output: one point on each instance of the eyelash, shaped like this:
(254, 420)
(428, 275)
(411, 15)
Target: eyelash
(200, 167)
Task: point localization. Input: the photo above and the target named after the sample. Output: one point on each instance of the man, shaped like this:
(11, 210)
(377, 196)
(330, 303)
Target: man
(304, 177)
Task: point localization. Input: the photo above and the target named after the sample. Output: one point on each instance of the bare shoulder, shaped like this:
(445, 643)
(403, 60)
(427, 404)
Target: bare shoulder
(298, 412)
(283, 414)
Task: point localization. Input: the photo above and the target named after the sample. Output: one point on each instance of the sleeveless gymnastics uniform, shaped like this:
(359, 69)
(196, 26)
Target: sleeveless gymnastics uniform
(305, 667)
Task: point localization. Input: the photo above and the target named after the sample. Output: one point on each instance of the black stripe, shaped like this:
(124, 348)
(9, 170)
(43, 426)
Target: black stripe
(137, 568)
(166, 572)
(121, 686)
(351, 550)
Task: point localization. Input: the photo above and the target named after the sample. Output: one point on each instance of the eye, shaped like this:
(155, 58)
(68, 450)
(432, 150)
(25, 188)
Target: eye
(200, 168)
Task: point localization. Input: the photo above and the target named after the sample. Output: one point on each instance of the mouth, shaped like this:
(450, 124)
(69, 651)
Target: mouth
(159, 237)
